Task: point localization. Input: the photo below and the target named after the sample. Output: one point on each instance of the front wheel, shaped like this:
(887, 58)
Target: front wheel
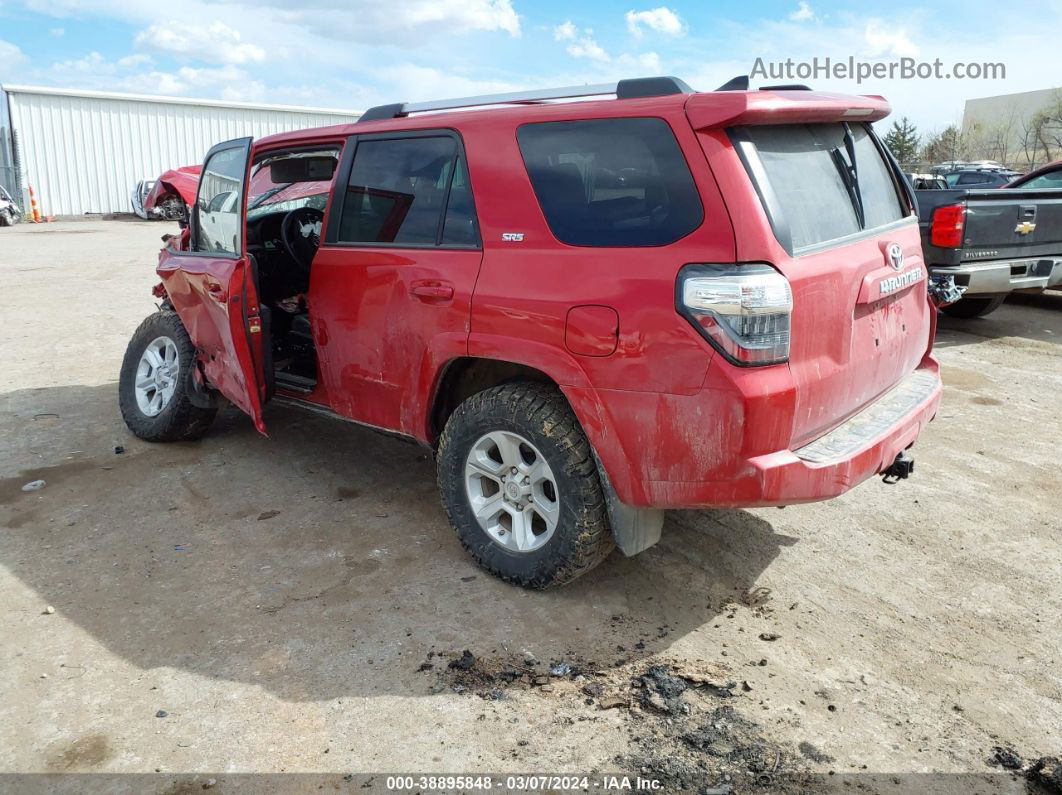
(975, 306)
(154, 388)
(521, 488)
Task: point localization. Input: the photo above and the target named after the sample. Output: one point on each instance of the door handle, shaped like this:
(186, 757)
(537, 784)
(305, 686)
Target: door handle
(432, 291)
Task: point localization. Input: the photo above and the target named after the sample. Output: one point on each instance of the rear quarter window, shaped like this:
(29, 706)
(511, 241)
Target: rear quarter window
(611, 182)
(820, 182)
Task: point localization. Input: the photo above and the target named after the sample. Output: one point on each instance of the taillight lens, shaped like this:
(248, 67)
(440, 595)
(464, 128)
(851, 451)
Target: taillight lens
(947, 227)
(743, 310)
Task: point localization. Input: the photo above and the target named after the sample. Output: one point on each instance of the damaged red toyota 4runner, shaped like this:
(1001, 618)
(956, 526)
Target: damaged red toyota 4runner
(591, 311)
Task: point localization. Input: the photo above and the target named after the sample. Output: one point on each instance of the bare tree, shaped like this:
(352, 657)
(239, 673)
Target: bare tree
(948, 144)
(1040, 136)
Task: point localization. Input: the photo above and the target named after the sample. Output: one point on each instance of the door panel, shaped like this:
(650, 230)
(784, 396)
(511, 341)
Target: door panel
(379, 315)
(391, 288)
(211, 287)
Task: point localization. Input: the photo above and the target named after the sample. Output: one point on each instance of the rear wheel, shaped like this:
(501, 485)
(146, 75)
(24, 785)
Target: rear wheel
(521, 488)
(154, 388)
(6, 218)
(975, 306)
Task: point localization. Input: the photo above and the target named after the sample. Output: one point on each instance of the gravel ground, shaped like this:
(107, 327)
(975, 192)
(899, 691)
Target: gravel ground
(294, 604)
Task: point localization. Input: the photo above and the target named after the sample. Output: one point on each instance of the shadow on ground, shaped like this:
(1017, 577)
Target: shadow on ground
(1032, 317)
(317, 563)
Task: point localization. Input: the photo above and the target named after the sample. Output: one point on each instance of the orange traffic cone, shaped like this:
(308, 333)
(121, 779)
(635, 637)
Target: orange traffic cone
(35, 211)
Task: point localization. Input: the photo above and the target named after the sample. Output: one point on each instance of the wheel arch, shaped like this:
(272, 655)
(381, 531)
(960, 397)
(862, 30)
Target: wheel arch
(464, 376)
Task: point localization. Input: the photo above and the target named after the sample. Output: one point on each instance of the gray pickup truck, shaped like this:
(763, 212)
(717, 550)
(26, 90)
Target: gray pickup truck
(993, 242)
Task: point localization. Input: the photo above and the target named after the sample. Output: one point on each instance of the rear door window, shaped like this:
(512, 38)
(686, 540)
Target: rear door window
(820, 182)
(611, 182)
(403, 191)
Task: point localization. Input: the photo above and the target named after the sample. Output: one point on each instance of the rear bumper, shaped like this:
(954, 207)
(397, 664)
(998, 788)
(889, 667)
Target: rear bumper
(863, 446)
(986, 278)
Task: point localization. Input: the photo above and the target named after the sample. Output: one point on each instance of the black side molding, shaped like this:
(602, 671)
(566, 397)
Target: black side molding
(636, 87)
(739, 83)
(392, 111)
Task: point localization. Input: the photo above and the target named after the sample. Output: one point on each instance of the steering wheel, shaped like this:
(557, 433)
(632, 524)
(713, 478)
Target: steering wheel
(300, 231)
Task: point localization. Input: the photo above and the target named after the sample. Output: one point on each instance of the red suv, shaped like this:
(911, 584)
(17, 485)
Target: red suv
(591, 311)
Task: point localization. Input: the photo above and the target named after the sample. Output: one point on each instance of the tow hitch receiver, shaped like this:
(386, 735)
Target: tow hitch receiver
(900, 469)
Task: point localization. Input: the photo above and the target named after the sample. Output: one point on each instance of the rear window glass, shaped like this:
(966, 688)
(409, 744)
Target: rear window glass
(397, 194)
(828, 180)
(611, 182)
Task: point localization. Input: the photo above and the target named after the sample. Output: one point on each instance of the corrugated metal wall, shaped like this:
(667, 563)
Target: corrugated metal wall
(84, 154)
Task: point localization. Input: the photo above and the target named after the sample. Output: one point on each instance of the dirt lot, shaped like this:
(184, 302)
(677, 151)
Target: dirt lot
(294, 603)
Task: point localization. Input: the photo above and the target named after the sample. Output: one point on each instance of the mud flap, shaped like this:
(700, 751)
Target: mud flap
(634, 529)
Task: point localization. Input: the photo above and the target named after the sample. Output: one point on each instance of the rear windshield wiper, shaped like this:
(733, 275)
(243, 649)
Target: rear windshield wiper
(850, 174)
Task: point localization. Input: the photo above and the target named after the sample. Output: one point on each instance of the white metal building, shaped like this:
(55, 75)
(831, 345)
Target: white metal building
(84, 151)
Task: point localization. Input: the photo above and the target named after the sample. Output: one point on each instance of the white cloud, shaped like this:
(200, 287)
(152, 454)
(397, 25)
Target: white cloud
(10, 52)
(662, 20)
(587, 47)
(403, 22)
(803, 13)
(133, 73)
(414, 83)
(642, 63)
(883, 40)
(12, 59)
(473, 14)
(215, 43)
(137, 59)
(564, 31)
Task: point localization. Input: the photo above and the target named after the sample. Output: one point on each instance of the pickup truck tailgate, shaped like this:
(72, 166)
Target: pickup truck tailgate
(1015, 223)
(1001, 224)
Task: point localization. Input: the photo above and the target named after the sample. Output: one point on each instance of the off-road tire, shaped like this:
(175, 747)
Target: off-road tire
(974, 306)
(179, 420)
(539, 413)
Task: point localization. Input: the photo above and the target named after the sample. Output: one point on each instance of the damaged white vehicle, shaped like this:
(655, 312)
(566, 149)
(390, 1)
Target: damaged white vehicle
(10, 213)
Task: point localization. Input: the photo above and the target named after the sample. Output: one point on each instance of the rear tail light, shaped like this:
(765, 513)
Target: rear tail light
(742, 310)
(948, 225)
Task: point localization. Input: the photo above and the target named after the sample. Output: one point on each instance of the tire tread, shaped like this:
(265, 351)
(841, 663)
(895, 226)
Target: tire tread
(540, 406)
(180, 420)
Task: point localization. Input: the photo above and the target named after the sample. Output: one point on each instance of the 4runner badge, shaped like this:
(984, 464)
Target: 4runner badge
(512, 237)
(900, 280)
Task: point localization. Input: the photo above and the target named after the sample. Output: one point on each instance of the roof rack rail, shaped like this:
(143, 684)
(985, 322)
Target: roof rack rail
(739, 83)
(624, 89)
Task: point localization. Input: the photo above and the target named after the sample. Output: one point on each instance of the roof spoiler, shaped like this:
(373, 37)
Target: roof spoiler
(727, 109)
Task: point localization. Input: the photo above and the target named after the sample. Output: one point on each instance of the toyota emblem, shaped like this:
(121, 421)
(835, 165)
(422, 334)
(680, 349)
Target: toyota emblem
(894, 254)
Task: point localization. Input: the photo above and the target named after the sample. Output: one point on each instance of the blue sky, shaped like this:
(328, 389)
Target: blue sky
(359, 53)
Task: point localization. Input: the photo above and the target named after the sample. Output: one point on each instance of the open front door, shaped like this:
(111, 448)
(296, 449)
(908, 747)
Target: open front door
(212, 287)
